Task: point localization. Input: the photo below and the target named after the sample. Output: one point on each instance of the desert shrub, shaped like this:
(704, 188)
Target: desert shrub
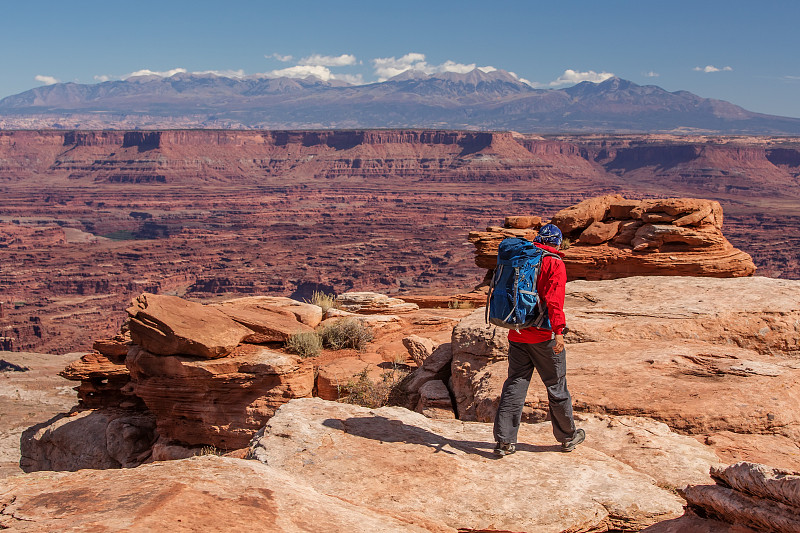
(324, 300)
(361, 390)
(346, 333)
(565, 244)
(305, 344)
(209, 450)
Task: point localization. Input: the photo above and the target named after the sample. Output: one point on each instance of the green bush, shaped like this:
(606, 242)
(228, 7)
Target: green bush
(306, 344)
(324, 300)
(346, 333)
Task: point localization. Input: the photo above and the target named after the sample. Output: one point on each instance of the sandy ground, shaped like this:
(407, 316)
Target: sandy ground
(30, 397)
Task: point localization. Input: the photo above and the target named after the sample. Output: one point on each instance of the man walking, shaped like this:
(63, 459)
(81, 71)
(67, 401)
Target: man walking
(543, 350)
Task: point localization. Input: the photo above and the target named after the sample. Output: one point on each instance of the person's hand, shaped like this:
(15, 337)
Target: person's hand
(559, 346)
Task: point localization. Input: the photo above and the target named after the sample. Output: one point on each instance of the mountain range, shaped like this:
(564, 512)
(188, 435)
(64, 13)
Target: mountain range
(477, 100)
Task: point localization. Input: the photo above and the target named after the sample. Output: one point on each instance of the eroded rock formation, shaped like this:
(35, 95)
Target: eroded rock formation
(613, 237)
(754, 497)
(202, 375)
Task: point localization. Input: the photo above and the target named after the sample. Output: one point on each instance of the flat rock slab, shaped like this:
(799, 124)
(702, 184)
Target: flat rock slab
(168, 325)
(755, 312)
(443, 471)
(692, 386)
(206, 493)
(272, 319)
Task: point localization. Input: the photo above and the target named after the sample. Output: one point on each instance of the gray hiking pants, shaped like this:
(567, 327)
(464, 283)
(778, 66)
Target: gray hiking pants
(552, 368)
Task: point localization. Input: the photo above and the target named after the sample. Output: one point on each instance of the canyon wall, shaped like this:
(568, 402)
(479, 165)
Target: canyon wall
(89, 219)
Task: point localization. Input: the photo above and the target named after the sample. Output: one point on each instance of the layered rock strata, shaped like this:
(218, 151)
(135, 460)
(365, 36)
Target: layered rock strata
(181, 375)
(219, 402)
(751, 495)
(202, 375)
(613, 237)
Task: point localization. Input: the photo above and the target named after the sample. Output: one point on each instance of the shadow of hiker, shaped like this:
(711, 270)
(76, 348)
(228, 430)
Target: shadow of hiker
(385, 429)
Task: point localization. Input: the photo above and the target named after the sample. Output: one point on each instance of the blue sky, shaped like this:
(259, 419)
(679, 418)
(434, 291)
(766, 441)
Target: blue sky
(745, 52)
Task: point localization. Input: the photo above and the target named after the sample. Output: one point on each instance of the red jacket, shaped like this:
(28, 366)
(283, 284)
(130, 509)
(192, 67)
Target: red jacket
(551, 287)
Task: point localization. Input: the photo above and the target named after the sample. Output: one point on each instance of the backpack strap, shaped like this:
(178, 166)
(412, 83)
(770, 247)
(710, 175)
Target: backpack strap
(541, 303)
(495, 276)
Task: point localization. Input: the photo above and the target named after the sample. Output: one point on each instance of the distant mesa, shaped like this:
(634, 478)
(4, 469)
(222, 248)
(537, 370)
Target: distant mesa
(474, 100)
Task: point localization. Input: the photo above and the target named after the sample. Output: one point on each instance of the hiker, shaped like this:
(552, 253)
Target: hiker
(541, 349)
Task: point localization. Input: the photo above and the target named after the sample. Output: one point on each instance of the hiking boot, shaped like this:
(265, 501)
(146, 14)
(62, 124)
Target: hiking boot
(504, 448)
(576, 439)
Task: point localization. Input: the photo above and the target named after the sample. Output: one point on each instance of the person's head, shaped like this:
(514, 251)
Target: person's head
(550, 235)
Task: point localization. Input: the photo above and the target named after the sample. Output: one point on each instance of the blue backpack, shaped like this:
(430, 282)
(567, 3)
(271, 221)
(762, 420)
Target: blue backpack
(513, 301)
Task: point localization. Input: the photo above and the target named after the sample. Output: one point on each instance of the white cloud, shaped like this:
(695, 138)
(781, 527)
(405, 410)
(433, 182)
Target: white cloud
(513, 74)
(329, 61)
(302, 71)
(47, 80)
(282, 59)
(387, 67)
(101, 77)
(148, 72)
(711, 68)
(651, 74)
(574, 76)
(354, 79)
(223, 73)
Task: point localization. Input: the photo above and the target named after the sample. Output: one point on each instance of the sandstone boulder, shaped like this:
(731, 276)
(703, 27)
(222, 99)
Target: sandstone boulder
(523, 222)
(379, 323)
(209, 493)
(373, 303)
(600, 232)
(115, 348)
(333, 376)
(407, 391)
(752, 495)
(696, 217)
(218, 402)
(682, 207)
(102, 381)
(419, 348)
(422, 463)
(97, 439)
(271, 319)
(434, 401)
(657, 235)
(440, 358)
(621, 209)
(168, 325)
(478, 366)
(579, 216)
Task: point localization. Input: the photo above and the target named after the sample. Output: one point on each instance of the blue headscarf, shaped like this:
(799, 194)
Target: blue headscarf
(550, 235)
